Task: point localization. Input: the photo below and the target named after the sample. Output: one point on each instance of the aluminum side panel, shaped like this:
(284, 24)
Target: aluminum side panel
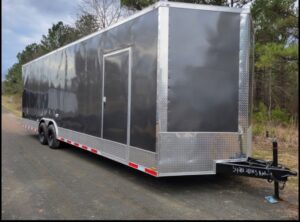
(119, 152)
(188, 152)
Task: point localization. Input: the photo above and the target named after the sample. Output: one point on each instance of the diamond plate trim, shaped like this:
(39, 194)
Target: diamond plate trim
(249, 141)
(244, 80)
(188, 152)
(162, 72)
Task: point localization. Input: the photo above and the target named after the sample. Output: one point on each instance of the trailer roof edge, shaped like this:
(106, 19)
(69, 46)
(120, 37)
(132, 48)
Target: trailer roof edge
(205, 7)
(131, 17)
(144, 11)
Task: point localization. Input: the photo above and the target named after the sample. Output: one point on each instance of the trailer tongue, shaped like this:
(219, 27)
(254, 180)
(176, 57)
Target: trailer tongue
(256, 168)
(269, 170)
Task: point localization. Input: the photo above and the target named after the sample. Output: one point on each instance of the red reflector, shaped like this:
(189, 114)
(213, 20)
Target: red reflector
(133, 165)
(84, 147)
(152, 172)
(69, 141)
(93, 150)
(76, 144)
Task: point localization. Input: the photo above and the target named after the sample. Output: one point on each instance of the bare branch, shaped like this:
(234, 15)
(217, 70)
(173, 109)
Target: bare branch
(107, 12)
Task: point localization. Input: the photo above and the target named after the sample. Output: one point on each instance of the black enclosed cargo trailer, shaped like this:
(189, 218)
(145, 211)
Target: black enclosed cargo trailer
(167, 91)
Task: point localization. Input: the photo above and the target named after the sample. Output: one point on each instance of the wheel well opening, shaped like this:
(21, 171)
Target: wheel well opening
(42, 121)
(54, 126)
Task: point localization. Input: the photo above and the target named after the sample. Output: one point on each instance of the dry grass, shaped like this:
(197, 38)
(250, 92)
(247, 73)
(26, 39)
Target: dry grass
(12, 103)
(288, 143)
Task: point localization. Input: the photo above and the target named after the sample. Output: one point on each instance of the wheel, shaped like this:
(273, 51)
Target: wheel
(53, 142)
(43, 134)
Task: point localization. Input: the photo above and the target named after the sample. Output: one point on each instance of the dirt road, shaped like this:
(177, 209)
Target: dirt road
(70, 183)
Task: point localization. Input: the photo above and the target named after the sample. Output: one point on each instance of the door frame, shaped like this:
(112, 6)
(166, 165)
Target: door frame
(129, 89)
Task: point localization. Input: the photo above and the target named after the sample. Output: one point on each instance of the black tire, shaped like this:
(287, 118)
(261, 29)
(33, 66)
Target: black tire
(53, 142)
(43, 134)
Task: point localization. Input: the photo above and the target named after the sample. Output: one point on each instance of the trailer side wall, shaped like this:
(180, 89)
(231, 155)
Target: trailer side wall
(69, 82)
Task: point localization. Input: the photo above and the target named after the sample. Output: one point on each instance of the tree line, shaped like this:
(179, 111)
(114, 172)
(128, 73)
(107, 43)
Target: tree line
(275, 23)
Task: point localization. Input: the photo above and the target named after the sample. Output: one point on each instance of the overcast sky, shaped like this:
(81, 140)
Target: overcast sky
(25, 21)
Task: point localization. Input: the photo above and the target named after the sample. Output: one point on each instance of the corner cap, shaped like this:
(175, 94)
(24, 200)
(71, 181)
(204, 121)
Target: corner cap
(246, 10)
(162, 4)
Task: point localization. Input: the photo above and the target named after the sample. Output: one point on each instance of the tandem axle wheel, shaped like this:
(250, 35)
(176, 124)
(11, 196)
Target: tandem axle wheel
(47, 135)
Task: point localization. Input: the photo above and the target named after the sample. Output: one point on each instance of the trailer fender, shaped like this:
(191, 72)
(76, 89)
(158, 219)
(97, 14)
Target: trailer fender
(50, 121)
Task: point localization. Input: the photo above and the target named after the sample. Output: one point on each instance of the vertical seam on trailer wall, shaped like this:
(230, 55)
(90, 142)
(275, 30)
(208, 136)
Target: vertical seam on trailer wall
(157, 125)
(164, 39)
(102, 96)
(243, 120)
(129, 101)
(162, 74)
(251, 80)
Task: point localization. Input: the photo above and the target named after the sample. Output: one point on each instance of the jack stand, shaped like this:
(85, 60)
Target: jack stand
(275, 198)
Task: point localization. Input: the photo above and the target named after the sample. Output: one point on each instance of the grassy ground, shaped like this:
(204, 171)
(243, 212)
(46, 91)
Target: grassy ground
(288, 149)
(12, 103)
(287, 138)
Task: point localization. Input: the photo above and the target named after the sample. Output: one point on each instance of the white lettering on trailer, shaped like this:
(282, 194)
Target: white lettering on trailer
(256, 172)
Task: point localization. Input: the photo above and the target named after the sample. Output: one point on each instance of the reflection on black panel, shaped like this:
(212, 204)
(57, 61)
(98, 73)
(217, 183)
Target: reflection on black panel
(68, 82)
(203, 71)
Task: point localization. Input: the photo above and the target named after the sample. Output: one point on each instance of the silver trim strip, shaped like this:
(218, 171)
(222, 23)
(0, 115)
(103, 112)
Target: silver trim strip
(163, 68)
(162, 75)
(129, 97)
(116, 51)
(231, 160)
(186, 173)
(199, 132)
(206, 7)
(243, 112)
(244, 71)
(102, 100)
